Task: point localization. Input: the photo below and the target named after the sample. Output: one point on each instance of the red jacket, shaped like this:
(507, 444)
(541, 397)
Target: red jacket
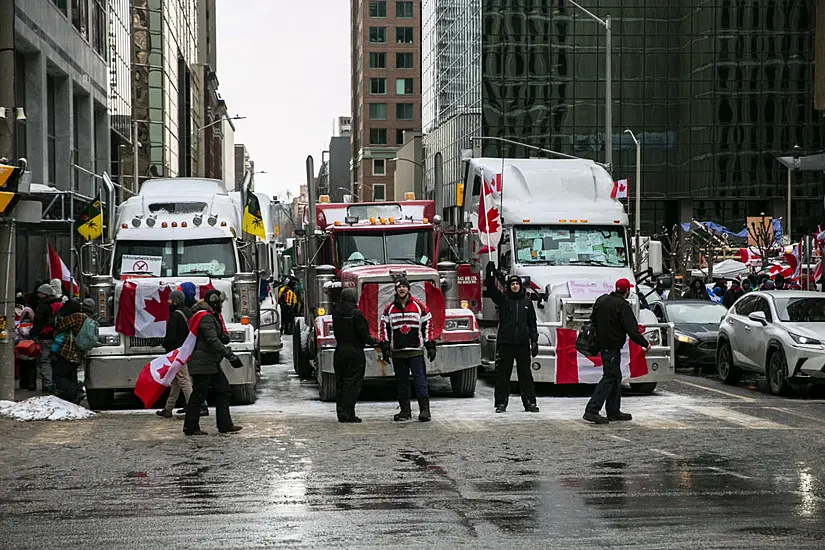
(408, 327)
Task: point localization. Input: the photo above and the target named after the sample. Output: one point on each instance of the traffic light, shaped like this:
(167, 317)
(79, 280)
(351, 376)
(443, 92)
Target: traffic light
(9, 178)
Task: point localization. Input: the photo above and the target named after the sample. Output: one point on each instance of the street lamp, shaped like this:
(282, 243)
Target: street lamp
(608, 92)
(419, 164)
(638, 223)
(796, 153)
(220, 119)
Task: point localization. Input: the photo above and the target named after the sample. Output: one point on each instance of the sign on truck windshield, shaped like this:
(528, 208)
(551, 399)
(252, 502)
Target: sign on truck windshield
(198, 257)
(374, 248)
(560, 245)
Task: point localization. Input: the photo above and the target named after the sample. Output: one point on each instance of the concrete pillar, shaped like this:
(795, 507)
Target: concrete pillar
(63, 112)
(36, 114)
(84, 119)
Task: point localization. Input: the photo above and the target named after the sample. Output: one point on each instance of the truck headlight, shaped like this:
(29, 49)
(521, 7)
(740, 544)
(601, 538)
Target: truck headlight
(237, 336)
(456, 324)
(109, 339)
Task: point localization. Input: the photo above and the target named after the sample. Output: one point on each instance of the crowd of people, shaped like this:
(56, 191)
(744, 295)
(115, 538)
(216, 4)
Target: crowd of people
(726, 292)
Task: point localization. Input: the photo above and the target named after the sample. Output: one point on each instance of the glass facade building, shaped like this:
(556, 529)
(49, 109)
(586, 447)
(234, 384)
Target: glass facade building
(120, 69)
(714, 91)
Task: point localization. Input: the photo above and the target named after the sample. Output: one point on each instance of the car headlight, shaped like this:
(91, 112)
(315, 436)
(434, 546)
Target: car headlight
(456, 324)
(653, 336)
(237, 336)
(684, 338)
(109, 339)
(804, 340)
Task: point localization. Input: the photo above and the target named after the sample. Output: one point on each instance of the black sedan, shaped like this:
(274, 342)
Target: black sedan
(697, 330)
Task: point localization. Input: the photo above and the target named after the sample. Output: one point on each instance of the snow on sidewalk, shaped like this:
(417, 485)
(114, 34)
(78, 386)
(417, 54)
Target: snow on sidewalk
(46, 407)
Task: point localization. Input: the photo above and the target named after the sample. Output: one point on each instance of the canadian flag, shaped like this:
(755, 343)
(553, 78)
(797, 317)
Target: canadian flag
(748, 255)
(375, 297)
(574, 368)
(143, 307)
(158, 374)
(619, 189)
(794, 259)
(489, 216)
(58, 270)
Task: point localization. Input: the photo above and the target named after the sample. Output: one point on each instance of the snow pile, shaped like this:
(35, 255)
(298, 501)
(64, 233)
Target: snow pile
(47, 407)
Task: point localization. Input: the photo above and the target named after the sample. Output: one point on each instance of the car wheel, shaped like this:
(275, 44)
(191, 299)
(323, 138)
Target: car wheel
(728, 372)
(778, 373)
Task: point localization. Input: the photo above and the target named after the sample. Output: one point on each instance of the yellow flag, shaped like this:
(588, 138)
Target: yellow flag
(90, 223)
(253, 223)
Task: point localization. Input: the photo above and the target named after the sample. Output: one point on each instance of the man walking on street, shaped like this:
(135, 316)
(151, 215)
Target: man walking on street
(43, 332)
(68, 357)
(177, 329)
(352, 333)
(517, 340)
(614, 322)
(205, 368)
(406, 330)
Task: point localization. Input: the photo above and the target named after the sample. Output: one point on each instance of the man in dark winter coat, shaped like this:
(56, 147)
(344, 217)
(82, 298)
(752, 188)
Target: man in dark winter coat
(205, 367)
(177, 329)
(43, 332)
(352, 333)
(614, 322)
(733, 293)
(697, 291)
(518, 339)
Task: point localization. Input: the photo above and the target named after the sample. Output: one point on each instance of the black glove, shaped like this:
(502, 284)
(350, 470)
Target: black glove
(386, 350)
(235, 361)
(534, 349)
(490, 269)
(430, 351)
(224, 338)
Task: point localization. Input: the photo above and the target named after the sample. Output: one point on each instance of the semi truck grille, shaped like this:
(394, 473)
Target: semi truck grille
(577, 314)
(136, 342)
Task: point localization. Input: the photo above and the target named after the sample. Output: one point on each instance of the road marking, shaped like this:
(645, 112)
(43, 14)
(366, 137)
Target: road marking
(626, 440)
(728, 472)
(742, 397)
(665, 453)
(794, 413)
(662, 424)
(740, 419)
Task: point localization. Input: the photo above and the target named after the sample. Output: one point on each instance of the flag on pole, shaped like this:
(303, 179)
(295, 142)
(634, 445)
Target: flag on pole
(489, 217)
(253, 222)
(58, 270)
(158, 374)
(619, 189)
(574, 368)
(90, 222)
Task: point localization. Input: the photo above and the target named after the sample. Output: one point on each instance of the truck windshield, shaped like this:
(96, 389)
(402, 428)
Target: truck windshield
(410, 247)
(565, 245)
(197, 257)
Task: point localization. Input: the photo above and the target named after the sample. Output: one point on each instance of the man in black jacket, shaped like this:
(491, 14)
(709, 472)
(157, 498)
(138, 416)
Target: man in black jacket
(518, 339)
(205, 367)
(614, 322)
(352, 333)
(45, 317)
(177, 329)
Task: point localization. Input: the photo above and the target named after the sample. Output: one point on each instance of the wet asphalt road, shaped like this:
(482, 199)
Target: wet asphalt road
(701, 466)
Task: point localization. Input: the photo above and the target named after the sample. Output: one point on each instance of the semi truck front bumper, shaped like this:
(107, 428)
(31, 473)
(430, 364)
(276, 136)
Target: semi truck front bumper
(449, 358)
(660, 366)
(270, 338)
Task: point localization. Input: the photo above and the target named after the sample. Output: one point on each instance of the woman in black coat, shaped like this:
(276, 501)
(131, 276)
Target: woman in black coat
(352, 334)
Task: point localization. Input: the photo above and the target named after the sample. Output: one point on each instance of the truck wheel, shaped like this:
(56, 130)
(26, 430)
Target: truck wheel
(243, 394)
(463, 382)
(646, 387)
(300, 356)
(271, 358)
(100, 400)
(326, 386)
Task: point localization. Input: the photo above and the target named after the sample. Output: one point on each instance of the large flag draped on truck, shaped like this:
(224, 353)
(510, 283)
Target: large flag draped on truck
(574, 368)
(489, 215)
(158, 374)
(143, 307)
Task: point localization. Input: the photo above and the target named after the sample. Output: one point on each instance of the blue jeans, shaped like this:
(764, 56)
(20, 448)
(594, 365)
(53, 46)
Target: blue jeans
(402, 367)
(609, 389)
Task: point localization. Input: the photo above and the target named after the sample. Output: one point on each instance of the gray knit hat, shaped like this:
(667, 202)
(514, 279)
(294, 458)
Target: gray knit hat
(177, 297)
(46, 289)
(88, 306)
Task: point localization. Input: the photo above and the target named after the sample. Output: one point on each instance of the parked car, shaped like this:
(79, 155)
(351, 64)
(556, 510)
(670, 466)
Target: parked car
(697, 329)
(780, 334)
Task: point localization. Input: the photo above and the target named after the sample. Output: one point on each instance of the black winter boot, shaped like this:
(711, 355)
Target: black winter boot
(424, 409)
(406, 411)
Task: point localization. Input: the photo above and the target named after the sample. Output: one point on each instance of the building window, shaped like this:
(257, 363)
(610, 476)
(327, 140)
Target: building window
(378, 111)
(98, 26)
(404, 35)
(403, 86)
(404, 111)
(80, 16)
(404, 60)
(378, 60)
(51, 124)
(379, 192)
(378, 35)
(404, 10)
(378, 85)
(378, 9)
(379, 167)
(61, 5)
(378, 136)
(399, 136)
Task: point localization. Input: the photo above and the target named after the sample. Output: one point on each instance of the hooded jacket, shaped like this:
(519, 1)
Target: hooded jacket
(44, 317)
(210, 348)
(732, 294)
(349, 325)
(692, 294)
(177, 327)
(516, 314)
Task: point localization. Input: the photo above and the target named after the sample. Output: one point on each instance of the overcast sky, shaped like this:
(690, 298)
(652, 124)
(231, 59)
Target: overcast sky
(285, 65)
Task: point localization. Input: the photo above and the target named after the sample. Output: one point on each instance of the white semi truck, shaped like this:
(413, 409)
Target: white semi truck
(176, 230)
(560, 228)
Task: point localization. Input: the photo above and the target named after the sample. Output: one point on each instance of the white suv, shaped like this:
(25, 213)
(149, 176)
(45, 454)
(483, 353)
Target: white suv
(778, 333)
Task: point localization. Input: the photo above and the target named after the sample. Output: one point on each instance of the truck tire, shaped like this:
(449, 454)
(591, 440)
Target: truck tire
(646, 388)
(243, 394)
(271, 358)
(100, 400)
(300, 356)
(326, 387)
(463, 382)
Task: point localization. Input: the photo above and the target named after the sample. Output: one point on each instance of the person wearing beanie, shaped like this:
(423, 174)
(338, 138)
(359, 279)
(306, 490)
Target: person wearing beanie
(45, 314)
(69, 357)
(177, 329)
(57, 286)
(189, 294)
(406, 331)
(517, 339)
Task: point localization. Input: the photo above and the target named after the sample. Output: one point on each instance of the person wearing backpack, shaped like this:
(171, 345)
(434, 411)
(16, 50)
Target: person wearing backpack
(43, 332)
(69, 357)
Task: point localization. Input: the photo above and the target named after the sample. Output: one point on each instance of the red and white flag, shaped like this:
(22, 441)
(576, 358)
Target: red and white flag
(143, 307)
(574, 368)
(794, 259)
(158, 374)
(749, 255)
(489, 216)
(58, 270)
(619, 189)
